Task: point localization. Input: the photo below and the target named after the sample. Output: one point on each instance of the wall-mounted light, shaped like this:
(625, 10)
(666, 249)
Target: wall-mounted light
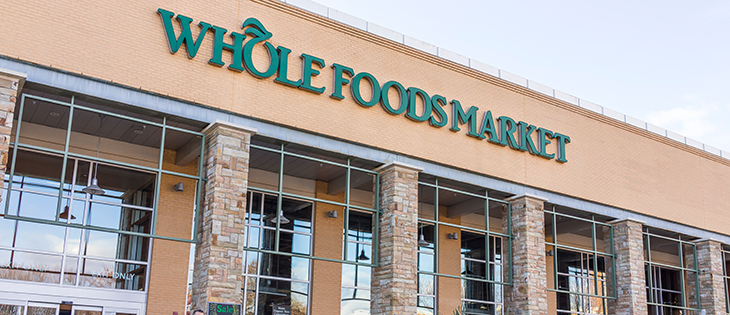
(179, 187)
(452, 236)
(549, 253)
(332, 214)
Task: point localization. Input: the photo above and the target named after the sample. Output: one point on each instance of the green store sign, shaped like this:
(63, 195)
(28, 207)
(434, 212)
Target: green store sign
(503, 130)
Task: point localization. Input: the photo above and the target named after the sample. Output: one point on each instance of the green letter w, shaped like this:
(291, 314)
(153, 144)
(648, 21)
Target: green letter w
(185, 34)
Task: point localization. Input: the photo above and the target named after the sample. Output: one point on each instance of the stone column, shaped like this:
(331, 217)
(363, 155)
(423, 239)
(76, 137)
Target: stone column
(712, 286)
(528, 294)
(218, 255)
(628, 246)
(11, 83)
(394, 282)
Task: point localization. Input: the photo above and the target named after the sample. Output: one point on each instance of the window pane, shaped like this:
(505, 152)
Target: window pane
(477, 290)
(356, 276)
(284, 295)
(16, 265)
(472, 245)
(40, 237)
(285, 266)
(355, 307)
(112, 275)
(426, 284)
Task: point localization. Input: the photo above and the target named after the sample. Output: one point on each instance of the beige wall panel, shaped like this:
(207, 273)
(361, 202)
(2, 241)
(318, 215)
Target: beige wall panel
(609, 162)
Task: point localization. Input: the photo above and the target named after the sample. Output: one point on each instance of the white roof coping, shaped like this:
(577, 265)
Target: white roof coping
(537, 87)
(566, 97)
(656, 129)
(511, 77)
(483, 67)
(385, 32)
(420, 45)
(636, 122)
(378, 30)
(614, 114)
(450, 55)
(591, 106)
(310, 6)
(675, 136)
(347, 19)
(694, 143)
(713, 150)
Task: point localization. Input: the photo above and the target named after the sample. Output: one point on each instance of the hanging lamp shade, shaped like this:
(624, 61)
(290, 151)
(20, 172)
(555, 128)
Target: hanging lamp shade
(362, 255)
(422, 241)
(64, 215)
(94, 189)
(284, 220)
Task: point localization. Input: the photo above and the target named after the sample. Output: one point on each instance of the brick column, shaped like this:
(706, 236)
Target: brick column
(11, 83)
(628, 246)
(712, 287)
(218, 262)
(528, 294)
(394, 282)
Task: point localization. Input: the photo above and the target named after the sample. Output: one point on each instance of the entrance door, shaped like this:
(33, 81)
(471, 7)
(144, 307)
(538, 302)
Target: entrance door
(15, 307)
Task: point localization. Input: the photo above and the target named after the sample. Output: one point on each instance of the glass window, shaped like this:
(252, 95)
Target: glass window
(286, 183)
(726, 273)
(578, 254)
(356, 277)
(41, 252)
(450, 214)
(273, 281)
(671, 273)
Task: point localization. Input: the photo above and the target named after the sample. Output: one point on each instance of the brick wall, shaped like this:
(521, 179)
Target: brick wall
(103, 42)
(327, 276)
(169, 262)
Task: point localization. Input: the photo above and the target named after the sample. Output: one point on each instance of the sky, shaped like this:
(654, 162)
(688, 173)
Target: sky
(664, 62)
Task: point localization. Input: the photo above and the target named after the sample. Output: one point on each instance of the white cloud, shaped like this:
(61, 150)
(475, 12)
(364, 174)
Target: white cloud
(707, 122)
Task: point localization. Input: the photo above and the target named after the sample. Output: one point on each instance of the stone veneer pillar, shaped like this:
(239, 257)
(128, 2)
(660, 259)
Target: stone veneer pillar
(528, 294)
(712, 286)
(11, 83)
(218, 255)
(628, 246)
(394, 284)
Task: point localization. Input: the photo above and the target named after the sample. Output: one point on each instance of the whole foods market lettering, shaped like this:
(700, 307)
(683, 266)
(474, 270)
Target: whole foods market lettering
(414, 103)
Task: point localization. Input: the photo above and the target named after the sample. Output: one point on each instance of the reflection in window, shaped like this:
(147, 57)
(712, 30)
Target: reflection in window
(60, 252)
(426, 283)
(576, 245)
(356, 278)
(465, 226)
(277, 282)
(671, 274)
(480, 297)
(575, 273)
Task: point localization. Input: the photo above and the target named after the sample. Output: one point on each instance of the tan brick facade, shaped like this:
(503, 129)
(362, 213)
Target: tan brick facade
(219, 265)
(168, 263)
(623, 156)
(327, 276)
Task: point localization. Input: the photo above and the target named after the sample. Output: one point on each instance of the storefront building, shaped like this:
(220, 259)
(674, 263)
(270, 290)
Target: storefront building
(272, 157)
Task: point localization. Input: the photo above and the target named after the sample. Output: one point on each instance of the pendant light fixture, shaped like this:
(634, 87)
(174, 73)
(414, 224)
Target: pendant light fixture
(94, 189)
(283, 219)
(64, 215)
(422, 241)
(362, 255)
